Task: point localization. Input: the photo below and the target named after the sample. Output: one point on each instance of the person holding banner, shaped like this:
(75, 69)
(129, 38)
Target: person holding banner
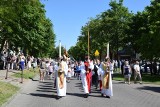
(86, 75)
(61, 78)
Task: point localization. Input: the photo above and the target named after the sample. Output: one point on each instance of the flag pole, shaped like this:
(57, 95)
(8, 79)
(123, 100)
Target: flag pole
(59, 49)
(108, 50)
(88, 42)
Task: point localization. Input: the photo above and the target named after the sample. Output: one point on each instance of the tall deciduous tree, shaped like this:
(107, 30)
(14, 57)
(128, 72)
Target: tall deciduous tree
(150, 38)
(109, 26)
(25, 25)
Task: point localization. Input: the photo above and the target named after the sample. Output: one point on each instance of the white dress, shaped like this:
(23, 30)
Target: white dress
(83, 79)
(69, 74)
(29, 64)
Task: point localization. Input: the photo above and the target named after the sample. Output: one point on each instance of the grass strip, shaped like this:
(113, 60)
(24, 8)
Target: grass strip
(6, 91)
(27, 74)
(146, 78)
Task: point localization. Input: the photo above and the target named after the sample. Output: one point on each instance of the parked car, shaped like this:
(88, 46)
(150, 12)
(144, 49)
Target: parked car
(142, 67)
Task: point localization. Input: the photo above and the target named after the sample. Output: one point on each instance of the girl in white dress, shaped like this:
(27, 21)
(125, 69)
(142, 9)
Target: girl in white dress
(69, 74)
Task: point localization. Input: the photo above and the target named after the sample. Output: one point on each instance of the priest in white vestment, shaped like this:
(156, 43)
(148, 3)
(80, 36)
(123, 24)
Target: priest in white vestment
(106, 78)
(61, 79)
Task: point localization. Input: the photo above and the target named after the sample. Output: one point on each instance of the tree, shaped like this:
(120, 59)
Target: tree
(109, 26)
(150, 38)
(26, 26)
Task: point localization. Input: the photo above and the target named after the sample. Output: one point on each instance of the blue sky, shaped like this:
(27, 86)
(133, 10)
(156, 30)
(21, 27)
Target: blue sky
(68, 16)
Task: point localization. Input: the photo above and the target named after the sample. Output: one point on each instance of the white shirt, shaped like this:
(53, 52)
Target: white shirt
(111, 66)
(137, 67)
(22, 58)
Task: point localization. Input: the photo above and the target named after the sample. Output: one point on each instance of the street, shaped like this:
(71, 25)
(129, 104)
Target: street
(42, 94)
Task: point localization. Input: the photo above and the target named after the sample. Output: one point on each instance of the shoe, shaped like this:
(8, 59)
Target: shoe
(86, 96)
(58, 97)
(102, 95)
(107, 96)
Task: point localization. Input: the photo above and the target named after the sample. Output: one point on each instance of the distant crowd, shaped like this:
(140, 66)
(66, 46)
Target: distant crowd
(96, 73)
(12, 61)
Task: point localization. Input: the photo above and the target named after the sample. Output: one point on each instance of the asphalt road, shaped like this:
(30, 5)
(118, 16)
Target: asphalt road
(43, 94)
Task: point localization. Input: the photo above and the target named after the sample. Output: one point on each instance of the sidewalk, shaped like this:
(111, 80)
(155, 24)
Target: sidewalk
(11, 79)
(14, 81)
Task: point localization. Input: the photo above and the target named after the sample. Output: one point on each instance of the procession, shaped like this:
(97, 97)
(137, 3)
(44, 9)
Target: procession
(84, 53)
(61, 72)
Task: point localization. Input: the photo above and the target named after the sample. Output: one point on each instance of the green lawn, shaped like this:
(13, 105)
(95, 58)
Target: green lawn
(27, 74)
(6, 91)
(146, 78)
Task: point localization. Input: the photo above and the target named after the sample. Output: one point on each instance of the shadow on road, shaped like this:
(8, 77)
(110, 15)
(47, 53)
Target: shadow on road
(33, 79)
(44, 95)
(45, 89)
(76, 94)
(154, 89)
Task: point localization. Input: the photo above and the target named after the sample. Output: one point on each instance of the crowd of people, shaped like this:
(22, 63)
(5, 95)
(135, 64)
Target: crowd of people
(17, 61)
(91, 73)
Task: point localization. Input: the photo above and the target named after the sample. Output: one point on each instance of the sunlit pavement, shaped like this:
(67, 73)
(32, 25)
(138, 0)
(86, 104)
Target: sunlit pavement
(43, 94)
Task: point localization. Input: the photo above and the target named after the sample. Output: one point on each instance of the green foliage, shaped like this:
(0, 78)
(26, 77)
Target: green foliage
(151, 35)
(138, 33)
(109, 26)
(25, 25)
(144, 30)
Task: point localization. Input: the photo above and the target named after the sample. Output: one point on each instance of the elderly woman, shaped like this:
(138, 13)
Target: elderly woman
(127, 72)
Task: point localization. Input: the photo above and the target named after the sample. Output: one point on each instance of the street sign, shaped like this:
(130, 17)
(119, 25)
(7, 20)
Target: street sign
(96, 53)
